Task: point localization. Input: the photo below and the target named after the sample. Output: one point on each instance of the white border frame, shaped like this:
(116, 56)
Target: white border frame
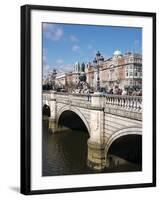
(69, 181)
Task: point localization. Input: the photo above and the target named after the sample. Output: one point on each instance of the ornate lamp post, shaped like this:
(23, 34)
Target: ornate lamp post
(52, 76)
(49, 79)
(97, 63)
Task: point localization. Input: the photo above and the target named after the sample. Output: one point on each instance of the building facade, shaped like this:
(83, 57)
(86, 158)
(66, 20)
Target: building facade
(123, 71)
(60, 80)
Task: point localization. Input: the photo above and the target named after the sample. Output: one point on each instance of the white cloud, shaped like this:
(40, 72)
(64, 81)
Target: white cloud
(52, 31)
(60, 68)
(59, 61)
(75, 48)
(65, 67)
(44, 57)
(73, 38)
(46, 69)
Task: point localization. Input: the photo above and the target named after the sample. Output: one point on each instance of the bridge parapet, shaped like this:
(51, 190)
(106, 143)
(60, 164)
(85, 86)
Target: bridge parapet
(126, 102)
(81, 100)
(126, 106)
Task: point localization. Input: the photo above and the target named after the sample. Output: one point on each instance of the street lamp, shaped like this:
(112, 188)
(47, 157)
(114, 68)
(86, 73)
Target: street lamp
(97, 63)
(53, 77)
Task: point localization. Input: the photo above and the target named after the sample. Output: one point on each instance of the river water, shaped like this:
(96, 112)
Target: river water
(65, 153)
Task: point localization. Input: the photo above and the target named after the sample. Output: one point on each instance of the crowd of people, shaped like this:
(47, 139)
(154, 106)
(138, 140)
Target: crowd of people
(115, 91)
(84, 89)
(118, 91)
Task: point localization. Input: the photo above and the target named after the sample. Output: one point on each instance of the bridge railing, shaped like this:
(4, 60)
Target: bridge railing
(125, 102)
(76, 99)
(132, 103)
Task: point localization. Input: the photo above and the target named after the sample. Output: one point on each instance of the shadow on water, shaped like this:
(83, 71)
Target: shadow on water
(125, 153)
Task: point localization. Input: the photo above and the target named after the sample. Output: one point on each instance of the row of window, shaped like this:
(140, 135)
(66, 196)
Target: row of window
(133, 67)
(135, 73)
(131, 60)
(132, 82)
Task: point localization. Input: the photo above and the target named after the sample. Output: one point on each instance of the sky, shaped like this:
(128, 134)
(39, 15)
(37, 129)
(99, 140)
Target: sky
(65, 44)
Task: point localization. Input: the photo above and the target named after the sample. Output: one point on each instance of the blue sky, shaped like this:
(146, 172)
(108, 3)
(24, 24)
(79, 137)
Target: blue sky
(64, 44)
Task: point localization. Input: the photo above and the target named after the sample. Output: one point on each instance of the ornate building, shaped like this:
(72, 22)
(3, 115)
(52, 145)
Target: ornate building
(70, 80)
(79, 71)
(76, 73)
(60, 80)
(120, 70)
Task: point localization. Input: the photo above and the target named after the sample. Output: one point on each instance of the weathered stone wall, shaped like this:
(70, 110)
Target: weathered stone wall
(113, 123)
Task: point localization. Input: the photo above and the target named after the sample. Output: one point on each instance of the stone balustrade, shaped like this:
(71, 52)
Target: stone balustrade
(129, 103)
(126, 102)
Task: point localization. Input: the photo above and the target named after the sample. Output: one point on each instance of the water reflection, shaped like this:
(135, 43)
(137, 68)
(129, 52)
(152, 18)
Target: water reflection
(64, 152)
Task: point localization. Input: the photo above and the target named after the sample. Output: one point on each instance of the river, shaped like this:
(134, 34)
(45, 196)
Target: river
(65, 153)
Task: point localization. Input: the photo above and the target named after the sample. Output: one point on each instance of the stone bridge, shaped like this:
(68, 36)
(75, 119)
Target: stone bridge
(106, 117)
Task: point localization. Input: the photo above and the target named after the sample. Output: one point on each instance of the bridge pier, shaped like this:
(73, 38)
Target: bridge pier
(96, 156)
(96, 143)
(52, 125)
(52, 120)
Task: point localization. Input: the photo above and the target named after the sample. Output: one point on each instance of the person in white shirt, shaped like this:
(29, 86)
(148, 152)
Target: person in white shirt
(124, 92)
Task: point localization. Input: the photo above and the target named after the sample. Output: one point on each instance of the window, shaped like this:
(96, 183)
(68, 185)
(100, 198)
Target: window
(126, 72)
(131, 73)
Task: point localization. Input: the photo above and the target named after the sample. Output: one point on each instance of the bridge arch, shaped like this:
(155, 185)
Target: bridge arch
(46, 110)
(121, 133)
(77, 112)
